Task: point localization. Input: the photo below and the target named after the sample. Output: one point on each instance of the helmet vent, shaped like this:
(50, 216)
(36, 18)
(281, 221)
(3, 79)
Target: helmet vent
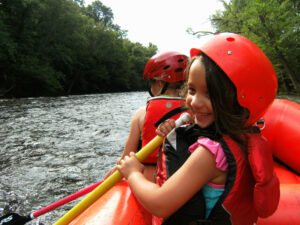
(180, 60)
(166, 67)
(178, 70)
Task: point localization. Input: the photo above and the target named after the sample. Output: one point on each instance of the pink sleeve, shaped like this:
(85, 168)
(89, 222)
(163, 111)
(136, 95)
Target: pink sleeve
(215, 148)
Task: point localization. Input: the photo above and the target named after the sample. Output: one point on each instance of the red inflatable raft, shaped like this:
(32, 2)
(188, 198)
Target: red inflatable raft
(117, 206)
(282, 130)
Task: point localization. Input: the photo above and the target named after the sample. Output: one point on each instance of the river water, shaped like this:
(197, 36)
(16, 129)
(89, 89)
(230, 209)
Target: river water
(53, 147)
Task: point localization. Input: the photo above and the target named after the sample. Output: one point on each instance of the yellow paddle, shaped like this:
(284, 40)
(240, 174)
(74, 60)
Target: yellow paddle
(115, 177)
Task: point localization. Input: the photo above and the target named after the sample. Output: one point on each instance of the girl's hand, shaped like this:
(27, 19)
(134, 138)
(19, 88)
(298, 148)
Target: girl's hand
(129, 165)
(164, 128)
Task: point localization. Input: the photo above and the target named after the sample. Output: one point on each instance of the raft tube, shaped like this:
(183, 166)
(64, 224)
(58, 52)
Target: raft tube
(282, 131)
(288, 211)
(118, 206)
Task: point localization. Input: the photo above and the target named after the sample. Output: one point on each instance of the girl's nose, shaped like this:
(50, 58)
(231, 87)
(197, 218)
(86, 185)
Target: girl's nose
(197, 101)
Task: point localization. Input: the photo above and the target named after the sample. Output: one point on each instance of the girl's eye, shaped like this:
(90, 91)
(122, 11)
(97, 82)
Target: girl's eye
(191, 90)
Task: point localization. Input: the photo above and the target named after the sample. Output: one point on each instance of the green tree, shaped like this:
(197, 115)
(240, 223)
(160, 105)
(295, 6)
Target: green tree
(100, 13)
(20, 19)
(138, 58)
(62, 47)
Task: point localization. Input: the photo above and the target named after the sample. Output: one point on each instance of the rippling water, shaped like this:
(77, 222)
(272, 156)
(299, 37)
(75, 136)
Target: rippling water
(53, 147)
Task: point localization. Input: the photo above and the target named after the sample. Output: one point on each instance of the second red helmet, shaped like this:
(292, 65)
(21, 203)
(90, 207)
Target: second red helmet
(169, 66)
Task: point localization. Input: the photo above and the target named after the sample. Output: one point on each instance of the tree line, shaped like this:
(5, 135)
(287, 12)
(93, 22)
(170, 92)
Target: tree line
(274, 25)
(62, 47)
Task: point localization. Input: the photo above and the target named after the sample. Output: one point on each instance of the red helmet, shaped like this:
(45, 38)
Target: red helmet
(247, 67)
(169, 66)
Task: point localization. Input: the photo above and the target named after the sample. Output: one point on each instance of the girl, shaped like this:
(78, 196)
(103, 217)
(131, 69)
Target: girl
(218, 170)
(166, 75)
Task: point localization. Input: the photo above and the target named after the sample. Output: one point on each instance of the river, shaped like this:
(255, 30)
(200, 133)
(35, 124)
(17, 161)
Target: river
(53, 147)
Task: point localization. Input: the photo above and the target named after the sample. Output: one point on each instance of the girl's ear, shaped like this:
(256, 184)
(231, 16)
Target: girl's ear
(160, 83)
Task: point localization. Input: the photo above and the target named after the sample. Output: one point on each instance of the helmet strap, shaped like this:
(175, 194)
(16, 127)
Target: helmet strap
(150, 93)
(149, 89)
(165, 87)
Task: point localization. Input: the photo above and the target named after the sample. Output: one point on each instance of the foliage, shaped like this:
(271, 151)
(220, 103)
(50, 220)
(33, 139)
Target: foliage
(274, 25)
(58, 47)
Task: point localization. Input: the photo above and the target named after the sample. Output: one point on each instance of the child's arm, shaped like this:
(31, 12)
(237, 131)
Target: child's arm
(178, 189)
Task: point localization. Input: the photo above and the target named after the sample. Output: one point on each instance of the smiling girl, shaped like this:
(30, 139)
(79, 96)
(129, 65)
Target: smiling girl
(218, 170)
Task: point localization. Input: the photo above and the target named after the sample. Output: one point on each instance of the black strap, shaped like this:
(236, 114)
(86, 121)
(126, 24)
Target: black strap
(165, 87)
(171, 113)
(150, 164)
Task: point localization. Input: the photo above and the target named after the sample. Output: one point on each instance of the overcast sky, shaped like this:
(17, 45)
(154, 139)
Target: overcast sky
(163, 22)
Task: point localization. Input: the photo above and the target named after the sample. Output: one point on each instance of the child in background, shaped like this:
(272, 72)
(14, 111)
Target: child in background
(218, 170)
(166, 74)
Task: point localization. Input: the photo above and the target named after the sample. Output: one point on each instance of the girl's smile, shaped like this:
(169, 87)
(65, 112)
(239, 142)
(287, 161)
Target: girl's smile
(197, 97)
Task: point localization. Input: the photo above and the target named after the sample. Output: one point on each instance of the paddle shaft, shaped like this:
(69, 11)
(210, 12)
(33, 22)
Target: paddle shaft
(115, 177)
(65, 200)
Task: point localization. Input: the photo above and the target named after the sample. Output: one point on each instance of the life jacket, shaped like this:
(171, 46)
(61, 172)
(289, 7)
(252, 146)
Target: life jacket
(156, 108)
(251, 189)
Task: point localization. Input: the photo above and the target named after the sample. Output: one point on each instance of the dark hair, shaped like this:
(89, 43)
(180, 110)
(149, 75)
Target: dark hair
(230, 116)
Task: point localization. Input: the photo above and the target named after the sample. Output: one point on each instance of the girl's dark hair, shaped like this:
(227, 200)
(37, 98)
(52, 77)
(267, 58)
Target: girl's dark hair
(230, 116)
